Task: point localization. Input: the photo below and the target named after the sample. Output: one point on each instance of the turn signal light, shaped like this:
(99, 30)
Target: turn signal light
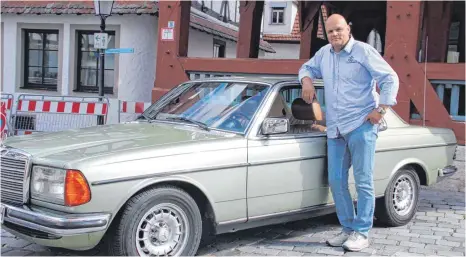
(77, 190)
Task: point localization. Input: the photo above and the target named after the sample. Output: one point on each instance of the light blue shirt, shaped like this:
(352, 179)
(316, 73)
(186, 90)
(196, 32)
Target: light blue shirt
(349, 84)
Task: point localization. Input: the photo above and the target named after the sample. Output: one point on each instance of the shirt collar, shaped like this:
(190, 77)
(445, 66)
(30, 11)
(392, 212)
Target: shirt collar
(348, 47)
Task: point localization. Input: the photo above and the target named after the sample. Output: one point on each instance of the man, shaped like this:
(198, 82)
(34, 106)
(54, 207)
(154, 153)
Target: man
(349, 70)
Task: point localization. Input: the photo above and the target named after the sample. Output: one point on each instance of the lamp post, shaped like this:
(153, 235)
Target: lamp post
(102, 9)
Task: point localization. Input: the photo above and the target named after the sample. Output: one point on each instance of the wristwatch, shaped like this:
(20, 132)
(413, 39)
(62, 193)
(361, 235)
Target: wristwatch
(381, 110)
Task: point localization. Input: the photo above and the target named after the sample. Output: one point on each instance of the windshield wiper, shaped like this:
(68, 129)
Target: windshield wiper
(200, 124)
(145, 117)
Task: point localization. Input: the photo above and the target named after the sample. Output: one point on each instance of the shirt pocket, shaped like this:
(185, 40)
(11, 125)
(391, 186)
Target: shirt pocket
(352, 72)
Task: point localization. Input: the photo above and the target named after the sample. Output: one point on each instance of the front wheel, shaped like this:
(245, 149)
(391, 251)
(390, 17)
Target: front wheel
(160, 221)
(401, 199)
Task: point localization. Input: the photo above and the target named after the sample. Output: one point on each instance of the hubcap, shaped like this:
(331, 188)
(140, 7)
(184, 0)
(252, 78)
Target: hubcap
(163, 231)
(403, 195)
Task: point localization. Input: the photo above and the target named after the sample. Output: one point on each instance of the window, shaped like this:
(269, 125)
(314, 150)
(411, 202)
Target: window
(88, 64)
(278, 14)
(41, 59)
(282, 108)
(219, 48)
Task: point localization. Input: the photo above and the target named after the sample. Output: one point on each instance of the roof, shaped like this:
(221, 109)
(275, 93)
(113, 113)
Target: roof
(120, 7)
(295, 35)
(76, 7)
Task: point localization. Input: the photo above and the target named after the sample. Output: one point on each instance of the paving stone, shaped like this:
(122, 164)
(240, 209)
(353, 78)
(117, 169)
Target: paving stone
(385, 242)
(290, 253)
(422, 240)
(412, 244)
(454, 239)
(458, 235)
(447, 243)
(331, 251)
(449, 253)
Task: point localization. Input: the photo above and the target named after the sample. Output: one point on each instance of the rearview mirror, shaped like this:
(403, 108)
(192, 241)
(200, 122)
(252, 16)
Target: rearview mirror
(275, 126)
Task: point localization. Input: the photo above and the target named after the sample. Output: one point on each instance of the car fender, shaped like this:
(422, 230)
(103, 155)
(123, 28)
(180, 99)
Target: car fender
(409, 161)
(146, 183)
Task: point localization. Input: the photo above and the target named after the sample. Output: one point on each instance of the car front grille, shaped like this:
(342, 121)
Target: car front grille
(13, 166)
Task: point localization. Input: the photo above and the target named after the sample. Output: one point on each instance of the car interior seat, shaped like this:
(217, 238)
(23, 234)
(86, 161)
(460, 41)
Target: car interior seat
(304, 115)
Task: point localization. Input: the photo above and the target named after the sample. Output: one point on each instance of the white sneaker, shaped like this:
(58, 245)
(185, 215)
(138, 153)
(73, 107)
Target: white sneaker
(356, 242)
(339, 239)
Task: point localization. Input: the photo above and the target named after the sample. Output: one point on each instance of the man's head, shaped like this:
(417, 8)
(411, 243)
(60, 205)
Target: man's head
(338, 31)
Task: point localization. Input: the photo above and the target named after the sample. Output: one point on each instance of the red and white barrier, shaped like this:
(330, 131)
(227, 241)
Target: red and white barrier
(39, 113)
(128, 110)
(6, 108)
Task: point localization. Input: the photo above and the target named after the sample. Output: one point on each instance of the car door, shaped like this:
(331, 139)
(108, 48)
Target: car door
(286, 172)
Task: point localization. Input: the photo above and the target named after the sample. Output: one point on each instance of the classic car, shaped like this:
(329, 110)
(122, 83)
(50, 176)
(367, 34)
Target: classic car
(211, 156)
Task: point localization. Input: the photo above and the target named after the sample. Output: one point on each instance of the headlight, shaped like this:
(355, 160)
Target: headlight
(65, 187)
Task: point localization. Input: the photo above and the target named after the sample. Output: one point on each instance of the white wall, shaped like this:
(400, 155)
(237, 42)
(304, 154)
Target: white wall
(202, 45)
(283, 51)
(290, 12)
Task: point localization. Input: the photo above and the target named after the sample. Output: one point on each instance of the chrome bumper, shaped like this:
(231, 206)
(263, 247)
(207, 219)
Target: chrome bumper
(447, 171)
(54, 224)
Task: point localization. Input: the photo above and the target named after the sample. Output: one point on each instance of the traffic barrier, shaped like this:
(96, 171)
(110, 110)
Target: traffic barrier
(129, 111)
(42, 113)
(6, 107)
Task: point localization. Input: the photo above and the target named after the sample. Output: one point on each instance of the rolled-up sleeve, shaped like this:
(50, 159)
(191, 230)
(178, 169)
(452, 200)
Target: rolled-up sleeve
(384, 75)
(311, 68)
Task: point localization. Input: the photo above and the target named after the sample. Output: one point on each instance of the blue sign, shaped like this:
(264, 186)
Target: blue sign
(119, 51)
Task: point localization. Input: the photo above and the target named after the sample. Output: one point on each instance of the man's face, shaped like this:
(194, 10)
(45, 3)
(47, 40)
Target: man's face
(338, 33)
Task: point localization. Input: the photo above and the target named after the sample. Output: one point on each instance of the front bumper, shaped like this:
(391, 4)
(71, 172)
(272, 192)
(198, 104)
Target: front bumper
(56, 229)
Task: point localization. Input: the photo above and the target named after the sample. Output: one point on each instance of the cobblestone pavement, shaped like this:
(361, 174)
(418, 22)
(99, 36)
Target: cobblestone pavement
(438, 229)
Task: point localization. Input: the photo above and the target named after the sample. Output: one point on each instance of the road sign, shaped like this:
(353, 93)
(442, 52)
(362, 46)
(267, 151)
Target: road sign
(119, 51)
(100, 40)
(167, 34)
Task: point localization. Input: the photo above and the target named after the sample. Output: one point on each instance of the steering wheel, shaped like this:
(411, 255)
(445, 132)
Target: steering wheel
(237, 121)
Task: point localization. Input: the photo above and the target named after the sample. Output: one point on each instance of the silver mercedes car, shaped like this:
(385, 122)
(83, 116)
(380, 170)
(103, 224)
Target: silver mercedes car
(211, 156)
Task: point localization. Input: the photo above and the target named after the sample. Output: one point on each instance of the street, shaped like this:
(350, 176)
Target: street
(437, 229)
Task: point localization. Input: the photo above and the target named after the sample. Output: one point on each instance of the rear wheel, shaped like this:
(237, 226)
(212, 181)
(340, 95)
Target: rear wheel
(159, 221)
(401, 199)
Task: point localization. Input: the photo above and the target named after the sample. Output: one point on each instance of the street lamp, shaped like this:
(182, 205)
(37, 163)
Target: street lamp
(102, 9)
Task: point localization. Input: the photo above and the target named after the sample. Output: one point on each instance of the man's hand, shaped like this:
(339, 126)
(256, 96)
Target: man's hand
(375, 116)
(308, 90)
(318, 127)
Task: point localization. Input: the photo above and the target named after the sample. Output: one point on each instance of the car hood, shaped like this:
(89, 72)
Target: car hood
(86, 143)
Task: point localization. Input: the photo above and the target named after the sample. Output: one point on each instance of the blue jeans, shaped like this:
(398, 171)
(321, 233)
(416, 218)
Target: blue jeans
(356, 148)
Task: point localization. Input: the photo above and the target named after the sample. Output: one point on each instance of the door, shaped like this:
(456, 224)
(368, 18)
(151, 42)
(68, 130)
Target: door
(287, 172)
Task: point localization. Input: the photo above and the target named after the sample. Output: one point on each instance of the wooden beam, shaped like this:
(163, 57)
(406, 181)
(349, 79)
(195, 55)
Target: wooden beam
(169, 72)
(249, 29)
(242, 65)
(308, 12)
(445, 71)
(438, 16)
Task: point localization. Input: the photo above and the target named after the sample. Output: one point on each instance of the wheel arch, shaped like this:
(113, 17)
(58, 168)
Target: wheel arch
(193, 188)
(417, 165)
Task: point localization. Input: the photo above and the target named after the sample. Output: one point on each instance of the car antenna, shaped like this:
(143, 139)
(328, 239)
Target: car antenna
(425, 83)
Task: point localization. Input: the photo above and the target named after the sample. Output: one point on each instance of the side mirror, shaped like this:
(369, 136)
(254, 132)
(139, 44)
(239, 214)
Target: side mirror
(275, 126)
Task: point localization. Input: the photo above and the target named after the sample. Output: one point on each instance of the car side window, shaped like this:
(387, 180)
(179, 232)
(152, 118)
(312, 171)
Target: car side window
(289, 104)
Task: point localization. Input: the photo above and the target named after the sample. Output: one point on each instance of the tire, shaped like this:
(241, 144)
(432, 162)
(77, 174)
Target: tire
(389, 209)
(162, 234)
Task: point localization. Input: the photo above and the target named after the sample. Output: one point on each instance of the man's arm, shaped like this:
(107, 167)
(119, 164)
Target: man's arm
(384, 75)
(308, 72)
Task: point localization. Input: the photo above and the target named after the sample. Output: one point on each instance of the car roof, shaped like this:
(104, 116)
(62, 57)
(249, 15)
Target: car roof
(267, 79)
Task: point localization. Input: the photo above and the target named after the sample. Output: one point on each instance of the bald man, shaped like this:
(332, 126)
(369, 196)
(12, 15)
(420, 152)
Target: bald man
(350, 70)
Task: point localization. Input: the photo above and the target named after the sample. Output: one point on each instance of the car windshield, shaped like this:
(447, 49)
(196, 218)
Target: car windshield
(222, 105)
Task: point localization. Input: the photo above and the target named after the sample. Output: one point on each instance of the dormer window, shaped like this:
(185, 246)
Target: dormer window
(278, 14)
